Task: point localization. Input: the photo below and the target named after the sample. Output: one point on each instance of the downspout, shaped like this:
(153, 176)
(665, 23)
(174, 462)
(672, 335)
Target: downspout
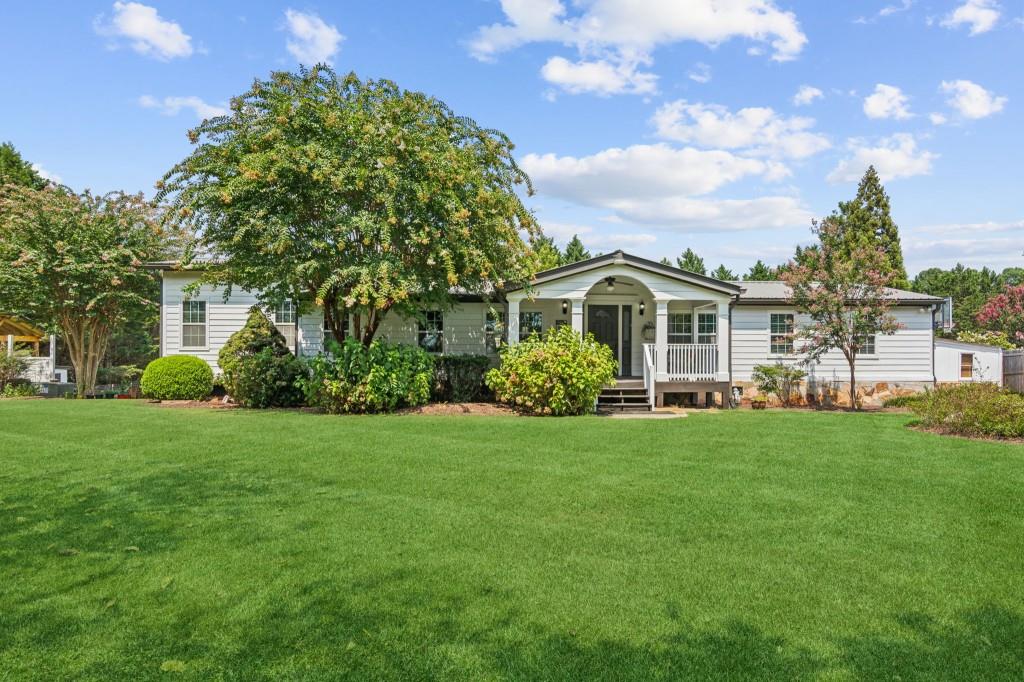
(732, 304)
(935, 379)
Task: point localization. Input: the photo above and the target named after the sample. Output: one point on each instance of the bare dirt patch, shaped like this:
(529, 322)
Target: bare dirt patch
(489, 409)
(213, 403)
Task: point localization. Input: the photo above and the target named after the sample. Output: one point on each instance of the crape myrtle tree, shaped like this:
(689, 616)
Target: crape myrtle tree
(1004, 313)
(355, 195)
(845, 293)
(74, 263)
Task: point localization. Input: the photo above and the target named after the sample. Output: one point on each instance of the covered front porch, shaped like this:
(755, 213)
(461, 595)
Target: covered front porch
(666, 327)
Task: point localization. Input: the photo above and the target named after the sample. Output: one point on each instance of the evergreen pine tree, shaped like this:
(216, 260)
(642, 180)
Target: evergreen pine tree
(15, 170)
(723, 273)
(574, 251)
(666, 261)
(691, 262)
(759, 272)
(865, 221)
(548, 255)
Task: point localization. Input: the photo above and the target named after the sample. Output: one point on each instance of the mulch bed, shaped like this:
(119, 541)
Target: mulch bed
(214, 403)
(950, 434)
(488, 409)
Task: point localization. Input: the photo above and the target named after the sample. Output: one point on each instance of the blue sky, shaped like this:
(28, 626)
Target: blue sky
(647, 125)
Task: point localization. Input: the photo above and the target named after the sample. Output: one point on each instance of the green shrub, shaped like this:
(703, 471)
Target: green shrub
(460, 378)
(118, 375)
(11, 367)
(972, 409)
(560, 374)
(177, 377)
(987, 338)
(779, 380)
(258, 368)
(380, 378)
(903, 400)
(19, 389)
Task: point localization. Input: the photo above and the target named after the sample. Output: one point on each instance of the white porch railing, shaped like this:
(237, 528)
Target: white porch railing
(39, 369)
(649, 372)
(689, 361)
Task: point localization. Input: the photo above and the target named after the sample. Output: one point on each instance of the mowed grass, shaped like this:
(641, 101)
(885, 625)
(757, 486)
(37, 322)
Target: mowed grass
(284, 545)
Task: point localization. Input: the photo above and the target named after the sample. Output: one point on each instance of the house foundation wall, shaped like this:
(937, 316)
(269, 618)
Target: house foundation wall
(837, 393)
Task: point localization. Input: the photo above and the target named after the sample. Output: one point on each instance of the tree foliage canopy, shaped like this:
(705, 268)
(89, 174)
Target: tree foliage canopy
(356, 195)
(574, 251)
(691, 262)
(759, 272)
(844, 293)
(15, 170)
(723, 273)
(75, 263)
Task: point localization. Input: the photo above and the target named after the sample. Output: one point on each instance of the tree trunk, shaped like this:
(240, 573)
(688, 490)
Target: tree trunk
(853, 387)
(86, 342)
(373, 320)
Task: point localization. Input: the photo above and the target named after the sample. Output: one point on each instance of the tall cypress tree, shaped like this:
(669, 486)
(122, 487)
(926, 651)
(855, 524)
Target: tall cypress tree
(865, 221)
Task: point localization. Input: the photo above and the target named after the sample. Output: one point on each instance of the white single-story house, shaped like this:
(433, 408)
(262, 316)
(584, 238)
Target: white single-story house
(958, 362)
(672, 331)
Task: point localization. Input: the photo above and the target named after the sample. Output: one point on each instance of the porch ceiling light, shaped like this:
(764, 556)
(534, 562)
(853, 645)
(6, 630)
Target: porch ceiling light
(611, 283)
(565, 307)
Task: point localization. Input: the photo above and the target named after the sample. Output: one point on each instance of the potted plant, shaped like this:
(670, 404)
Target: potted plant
(758, 402)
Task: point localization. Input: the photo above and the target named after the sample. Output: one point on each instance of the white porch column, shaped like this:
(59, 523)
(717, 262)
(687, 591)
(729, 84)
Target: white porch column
(723, 333)
(661, 340)
(10, 345)
(577, 315)
(512, 321)
(53, 357)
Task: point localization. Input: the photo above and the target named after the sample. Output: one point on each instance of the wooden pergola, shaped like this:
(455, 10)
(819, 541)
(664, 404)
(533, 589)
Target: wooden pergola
(16, 331)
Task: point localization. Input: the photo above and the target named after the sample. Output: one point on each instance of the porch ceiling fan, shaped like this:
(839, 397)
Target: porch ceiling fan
(610, 281)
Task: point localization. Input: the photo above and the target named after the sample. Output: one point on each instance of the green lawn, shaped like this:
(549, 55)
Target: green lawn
(282, 545)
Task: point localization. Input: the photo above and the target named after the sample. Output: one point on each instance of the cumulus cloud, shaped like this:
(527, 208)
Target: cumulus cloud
(980, 15)
(172, 106)
(700, 73)
(759, 130)
(893, 157)
(311, 40)
(600, 77)
(806, 94)
(45, 174)
(971, 100)
(887, 101)
(146, 31)
(621, 33)
(662, 185)
(936, 118)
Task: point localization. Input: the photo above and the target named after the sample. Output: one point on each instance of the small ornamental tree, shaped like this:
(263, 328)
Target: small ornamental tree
(259, 369)
(74, 263)
(846, 296)
(1004, 312)
(355, 195)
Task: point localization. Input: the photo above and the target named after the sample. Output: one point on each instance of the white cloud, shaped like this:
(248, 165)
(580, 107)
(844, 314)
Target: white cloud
(701, 73)
(887, 101)
(312, 40)
(886, 11)
(621, 34)
(971, 100)
(806, 94)
(936, 118)
(989, 227)
(171, 106)
(621, 240)
(662, 185)
(894, 157)
(600, 77)
(563, 232)
(45, 174)
(759, 130)
(980, 15)
(146, 31)
(977, 250)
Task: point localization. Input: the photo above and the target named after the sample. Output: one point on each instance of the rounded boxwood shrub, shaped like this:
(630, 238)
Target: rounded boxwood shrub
(381, 377)
(560, 374)
(177, 377)
(258, 368)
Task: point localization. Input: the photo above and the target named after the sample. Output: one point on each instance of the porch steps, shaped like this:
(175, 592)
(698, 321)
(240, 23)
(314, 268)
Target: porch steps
(628, 395)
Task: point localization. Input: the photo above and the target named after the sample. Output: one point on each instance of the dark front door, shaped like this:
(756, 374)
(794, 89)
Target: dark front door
(603, 323)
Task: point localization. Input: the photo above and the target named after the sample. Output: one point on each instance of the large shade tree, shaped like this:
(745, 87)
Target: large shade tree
(845, 293)
(356, 195)
(74, 263)
(14, 170)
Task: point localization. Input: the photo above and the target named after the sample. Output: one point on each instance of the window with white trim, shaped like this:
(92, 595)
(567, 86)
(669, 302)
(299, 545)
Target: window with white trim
(707, 327)
(285, 315)
(680, 327)
(967, 365)
(193, 324)
(431, 331)
(783, 329)
(530, 323)
(494, 330)
(867, 345)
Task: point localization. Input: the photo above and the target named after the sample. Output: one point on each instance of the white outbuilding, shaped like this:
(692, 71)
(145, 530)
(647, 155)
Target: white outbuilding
(956, 361)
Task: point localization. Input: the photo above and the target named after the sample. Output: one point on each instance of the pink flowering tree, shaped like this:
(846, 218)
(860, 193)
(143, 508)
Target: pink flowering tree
(846, 295)
(1004, 312)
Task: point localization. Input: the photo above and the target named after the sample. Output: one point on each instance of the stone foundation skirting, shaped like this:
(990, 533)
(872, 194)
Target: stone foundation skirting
(817, 392)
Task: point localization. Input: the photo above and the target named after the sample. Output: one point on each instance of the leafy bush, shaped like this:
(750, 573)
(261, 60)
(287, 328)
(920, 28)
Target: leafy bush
(972, 409)
(177, 377)
(987, 338)
(903, 400)
(258, 368)
(11, 367)
(460, 378)
(19, 389)
(379, 378)
(559, 374)
(780, 380)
